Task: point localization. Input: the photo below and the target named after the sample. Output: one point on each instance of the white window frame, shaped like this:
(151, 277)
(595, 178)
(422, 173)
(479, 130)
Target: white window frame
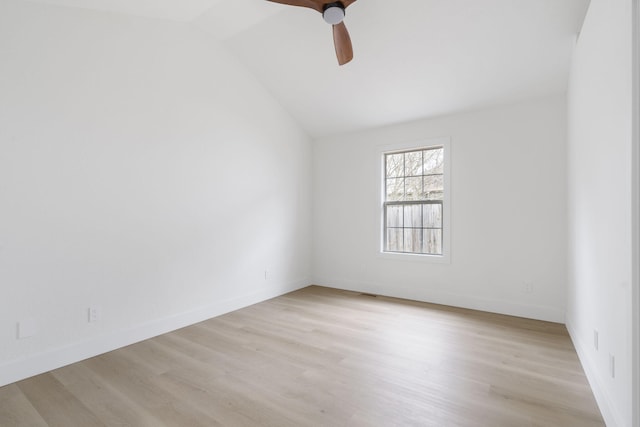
(636, 214)
(445, 143)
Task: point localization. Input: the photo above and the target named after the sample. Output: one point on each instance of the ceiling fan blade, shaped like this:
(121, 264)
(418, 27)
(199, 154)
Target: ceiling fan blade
(311, 4)
(342, 42)
(347, 3)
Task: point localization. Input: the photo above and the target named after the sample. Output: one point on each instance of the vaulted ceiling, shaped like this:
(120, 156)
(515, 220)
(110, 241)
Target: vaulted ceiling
(413, 58)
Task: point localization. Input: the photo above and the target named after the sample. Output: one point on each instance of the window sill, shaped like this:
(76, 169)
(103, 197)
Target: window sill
(428, 259)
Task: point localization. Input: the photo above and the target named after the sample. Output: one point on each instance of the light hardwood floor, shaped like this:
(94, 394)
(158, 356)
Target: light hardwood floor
(323, 357)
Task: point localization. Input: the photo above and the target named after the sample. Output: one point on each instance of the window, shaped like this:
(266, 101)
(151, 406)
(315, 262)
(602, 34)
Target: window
(414, 204)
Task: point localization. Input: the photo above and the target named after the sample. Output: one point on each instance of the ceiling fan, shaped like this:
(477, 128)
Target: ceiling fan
(333, 13)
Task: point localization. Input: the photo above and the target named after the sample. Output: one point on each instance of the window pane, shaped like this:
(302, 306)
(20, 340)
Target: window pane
(413, 216)
(432, 242)
(394, 240)
(395, 165)
(413, 240)
(413, 188)
(433, 161)
(395, 189)
(432, 215)
(434, 187)
(413, 163)
(414, 195)
(394, 216)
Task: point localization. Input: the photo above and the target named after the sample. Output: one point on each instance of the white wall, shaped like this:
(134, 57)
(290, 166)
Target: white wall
(636, 212)
(599, 295)
(142, 170)
(508, 212)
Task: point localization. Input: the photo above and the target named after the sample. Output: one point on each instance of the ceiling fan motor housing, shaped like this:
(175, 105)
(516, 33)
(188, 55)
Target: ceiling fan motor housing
(333, 13)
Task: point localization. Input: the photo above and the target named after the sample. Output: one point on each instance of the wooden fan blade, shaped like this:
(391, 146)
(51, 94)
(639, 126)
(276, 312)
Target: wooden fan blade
(347, 3)
(311, 4)
(342, 42)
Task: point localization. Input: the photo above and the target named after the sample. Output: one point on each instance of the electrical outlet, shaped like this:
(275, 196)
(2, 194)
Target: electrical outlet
(528, 287)
(595, 339)
(26, 328)
(95, 314)
(612, 365)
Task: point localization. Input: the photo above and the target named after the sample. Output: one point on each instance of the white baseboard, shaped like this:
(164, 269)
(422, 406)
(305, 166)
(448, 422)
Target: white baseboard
(35, 364)
(611, 418)
(549, 314)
